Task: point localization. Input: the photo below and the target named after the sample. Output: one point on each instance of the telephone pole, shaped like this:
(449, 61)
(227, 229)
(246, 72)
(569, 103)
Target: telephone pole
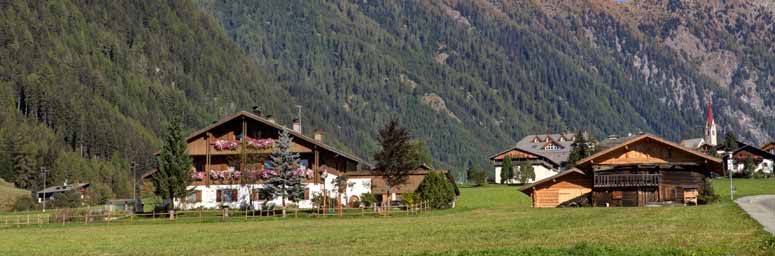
(134, 186)
(43, 171)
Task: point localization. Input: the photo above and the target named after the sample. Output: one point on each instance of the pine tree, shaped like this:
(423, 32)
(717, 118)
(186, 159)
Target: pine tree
(526, 172)
(284, 177)
(507, 170)
(394, 161)
(581, 148)
(23, 163)
(749, 167)
(730, 142)
(172, 177)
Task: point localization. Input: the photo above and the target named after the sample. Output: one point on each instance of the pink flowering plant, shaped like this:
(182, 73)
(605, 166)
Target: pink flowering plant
(226, 144)
(260, 143)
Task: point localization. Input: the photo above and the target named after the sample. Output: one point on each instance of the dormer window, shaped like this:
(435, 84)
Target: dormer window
(536, 140)
(562, 138)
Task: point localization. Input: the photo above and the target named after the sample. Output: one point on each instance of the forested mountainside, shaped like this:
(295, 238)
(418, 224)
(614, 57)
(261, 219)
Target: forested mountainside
(87, 86)
(473, 76)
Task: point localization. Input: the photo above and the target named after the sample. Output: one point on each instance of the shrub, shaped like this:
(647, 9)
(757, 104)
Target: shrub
(477, 177)
(707, 194)
(410, 198)
(437, 190)
(368, 199)
(25, 203)
(67, 199)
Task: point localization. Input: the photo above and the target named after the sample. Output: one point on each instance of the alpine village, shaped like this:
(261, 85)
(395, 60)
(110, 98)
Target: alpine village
(349, 127)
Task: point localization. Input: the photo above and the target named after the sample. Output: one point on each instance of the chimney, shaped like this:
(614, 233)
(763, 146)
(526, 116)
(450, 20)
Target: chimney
(318, 135)
(257, 110)
(296, 125)
(270, 119)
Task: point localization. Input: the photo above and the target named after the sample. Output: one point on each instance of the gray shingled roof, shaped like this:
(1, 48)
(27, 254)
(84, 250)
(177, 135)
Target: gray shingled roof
(555, 156)
(692, 143)
(58, 189)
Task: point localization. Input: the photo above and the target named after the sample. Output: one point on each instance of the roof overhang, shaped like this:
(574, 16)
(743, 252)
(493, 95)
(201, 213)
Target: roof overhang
(527, 189)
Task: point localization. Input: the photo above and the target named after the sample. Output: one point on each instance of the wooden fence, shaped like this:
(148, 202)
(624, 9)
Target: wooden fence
(91, 216)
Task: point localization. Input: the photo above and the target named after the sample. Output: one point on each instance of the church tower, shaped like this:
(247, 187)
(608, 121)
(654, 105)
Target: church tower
(710, 126)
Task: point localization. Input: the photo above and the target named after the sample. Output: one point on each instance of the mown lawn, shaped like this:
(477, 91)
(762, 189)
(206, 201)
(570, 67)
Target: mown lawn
(492, 220)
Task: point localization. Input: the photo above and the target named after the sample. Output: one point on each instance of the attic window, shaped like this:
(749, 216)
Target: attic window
(562, 138)
(536, 140)
(547, 139)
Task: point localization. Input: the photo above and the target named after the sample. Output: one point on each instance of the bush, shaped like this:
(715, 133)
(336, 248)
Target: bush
(477, 177)
(67, 199)
(368, 199)
(437, 190)
(760, 175)
(707, 194)
(25, 203)
(410, 198)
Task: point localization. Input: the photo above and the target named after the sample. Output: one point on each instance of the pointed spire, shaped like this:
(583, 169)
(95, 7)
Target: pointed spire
(710, 111)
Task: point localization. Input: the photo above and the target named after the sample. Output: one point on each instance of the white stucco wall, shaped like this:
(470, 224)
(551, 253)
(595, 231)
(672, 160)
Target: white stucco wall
(541, 172)
(356, 186)
(738, 166)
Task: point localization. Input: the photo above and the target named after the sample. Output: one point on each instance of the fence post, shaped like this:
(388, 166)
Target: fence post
(64, 217)
(86, 218)
(201, 218)
(296, 213)
(132, 218)
(246, 213)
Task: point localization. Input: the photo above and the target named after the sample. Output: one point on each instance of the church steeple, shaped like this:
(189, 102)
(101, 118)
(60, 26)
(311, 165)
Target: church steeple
(710, 126)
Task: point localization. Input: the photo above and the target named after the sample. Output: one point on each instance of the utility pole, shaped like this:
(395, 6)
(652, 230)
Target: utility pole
(134, 185)
(43, 171)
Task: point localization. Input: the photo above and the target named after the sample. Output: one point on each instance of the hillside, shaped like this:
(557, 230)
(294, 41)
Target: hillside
(86, 87)
(472, 77)
(8, 195)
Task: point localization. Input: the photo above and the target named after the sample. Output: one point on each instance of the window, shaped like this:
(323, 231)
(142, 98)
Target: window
(259, 195)
(552, 147)
(194, 197)
(536, 140)
(304, 163)
(226, 195)
(239, 136)
(562, 138)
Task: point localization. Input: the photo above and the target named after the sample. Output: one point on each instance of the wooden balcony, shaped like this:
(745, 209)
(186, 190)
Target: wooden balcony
(627, 180)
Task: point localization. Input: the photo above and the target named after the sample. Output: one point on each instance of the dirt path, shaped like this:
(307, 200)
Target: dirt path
(761, 208)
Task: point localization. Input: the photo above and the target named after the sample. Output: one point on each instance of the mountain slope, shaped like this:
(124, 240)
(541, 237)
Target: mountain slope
(99, 80)
(472, 77)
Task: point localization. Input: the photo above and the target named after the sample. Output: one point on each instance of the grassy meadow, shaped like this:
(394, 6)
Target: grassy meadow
(8, 195)
(490, 220)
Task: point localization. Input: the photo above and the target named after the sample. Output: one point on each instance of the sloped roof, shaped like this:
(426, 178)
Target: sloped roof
(631, 140)
(693, 143)
(756, 151)
(527, 144)
(279, 127)
(378, 185)
(63, 188)
(526, 188)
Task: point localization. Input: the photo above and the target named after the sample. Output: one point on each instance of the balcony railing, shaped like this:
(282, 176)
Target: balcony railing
(627, 180)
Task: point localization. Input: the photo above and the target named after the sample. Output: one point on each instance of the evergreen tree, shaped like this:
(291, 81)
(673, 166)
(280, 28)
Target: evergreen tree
(394, 161)
(526, 172)
(284, 175)
(730, 142)
(582, 147)
(749, 167)
(23, 163)
(172, 177)
(507, 169)
(437, 190)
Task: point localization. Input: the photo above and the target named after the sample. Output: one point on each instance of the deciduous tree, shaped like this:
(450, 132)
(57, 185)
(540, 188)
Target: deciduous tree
(394, 160)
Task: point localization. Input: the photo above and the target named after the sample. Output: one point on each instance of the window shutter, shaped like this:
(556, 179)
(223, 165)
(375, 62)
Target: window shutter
(218, 195)
(198, 196)
(253, 196)
(234, 195)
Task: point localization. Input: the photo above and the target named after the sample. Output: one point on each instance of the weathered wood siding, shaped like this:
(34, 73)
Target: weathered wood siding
(552, 194)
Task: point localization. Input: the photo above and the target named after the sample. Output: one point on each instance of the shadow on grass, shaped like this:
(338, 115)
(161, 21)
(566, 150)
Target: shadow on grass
(582, 249)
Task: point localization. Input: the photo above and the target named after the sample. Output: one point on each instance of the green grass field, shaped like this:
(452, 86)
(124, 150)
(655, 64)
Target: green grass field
(492, 220)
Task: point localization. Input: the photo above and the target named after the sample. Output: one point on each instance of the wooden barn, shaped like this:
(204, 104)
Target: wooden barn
(633, 171)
